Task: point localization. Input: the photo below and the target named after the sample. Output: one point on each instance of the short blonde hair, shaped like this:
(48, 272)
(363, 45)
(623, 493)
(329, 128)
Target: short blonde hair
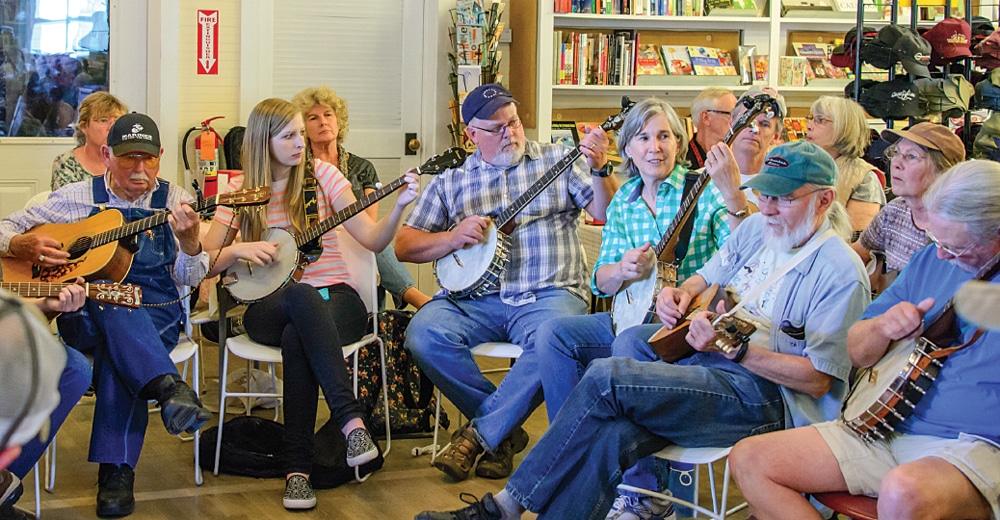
(326, 97)
(95, 106)
(850, 125)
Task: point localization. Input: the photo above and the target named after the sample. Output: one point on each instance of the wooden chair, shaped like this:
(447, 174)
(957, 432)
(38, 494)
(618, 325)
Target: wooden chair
(855, 507)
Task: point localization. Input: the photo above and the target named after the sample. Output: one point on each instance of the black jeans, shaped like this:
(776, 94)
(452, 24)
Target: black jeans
(311, 333)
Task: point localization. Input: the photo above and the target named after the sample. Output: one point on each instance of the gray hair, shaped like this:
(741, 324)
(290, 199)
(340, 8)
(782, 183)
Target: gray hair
(969, 193)
(840, 222)
(705, 101)
(850, 125)
(642, 112)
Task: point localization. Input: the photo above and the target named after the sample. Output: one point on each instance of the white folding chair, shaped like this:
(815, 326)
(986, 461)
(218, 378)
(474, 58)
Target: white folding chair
(698, 457)
(492, 350)
(363, 270)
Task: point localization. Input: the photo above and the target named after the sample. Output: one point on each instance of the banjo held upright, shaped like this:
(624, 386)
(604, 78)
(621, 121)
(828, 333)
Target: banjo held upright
(474, 271)
(633, 304)
(248, 282)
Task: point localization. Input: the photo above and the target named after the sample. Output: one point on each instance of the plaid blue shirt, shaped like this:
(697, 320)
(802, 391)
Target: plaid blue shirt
(74, 202)
(631, 223)
(545, 247)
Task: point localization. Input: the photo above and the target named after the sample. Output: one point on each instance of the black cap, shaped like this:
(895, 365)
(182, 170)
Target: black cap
(134, 132)
(484, 101)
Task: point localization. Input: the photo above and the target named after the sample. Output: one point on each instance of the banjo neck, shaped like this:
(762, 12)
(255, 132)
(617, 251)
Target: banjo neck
(505, 220)
(352, 209)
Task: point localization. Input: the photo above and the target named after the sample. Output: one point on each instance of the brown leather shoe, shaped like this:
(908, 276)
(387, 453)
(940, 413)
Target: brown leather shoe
(500, 464)
(458, 460)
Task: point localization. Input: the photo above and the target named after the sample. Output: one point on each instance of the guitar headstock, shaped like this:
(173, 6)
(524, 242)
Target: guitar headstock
(615, 122)
(118, 294)
(732, 332)
(246, 197)
(450, 158)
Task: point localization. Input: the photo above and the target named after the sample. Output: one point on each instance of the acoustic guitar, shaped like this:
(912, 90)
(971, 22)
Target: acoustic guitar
(124, 295)
(248, 282)
(730, 332)
(99, 246)
(476, 270)
(633, 303)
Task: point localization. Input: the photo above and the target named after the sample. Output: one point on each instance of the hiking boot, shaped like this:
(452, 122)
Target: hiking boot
(644, 508)
(360, 447)
(457, 461)
(485, 509)
(114, 490)
(500, 463)
(299, 493)
(180, 408)
(10, 491)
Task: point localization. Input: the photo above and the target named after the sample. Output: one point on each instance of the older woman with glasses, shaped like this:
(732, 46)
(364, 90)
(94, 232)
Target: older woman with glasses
(98, 112)
(918, 156)
(839, 126)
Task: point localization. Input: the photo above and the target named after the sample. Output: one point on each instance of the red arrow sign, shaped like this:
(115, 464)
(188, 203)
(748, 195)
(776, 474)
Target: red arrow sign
(208, 42)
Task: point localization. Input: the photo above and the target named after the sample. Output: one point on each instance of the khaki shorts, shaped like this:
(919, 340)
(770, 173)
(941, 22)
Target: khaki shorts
(864, 465)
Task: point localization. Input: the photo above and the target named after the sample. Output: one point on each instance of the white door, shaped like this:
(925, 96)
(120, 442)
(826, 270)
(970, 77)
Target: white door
(371, 53)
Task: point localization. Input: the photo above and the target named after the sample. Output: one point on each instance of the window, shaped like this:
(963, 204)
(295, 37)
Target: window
(53, 53)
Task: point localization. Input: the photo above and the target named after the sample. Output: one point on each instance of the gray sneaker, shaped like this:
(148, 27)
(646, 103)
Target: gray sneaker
(299, 493)
(644, 508)
(360, 447)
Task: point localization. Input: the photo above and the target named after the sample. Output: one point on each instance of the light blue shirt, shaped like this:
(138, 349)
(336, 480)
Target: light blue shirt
(824, 294)
(965, 398)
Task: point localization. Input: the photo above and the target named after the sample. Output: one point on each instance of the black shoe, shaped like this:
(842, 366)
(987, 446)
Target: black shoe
(485, 509)
(10, 491)
(500, 463)
(180, 408)
(114, 491)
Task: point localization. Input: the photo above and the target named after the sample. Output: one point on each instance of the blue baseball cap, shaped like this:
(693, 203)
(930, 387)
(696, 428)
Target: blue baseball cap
(790, 166)
(484, 101)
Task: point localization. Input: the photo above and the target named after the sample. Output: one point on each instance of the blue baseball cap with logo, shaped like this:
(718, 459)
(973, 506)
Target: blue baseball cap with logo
(790, 166)
(484, 101)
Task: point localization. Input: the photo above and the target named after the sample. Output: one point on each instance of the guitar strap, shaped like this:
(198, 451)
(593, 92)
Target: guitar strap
(309, 190)
(681, 249)
(944, 330)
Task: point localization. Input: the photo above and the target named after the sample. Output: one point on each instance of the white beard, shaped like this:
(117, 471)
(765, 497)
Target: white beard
(788, 237)
(511, 156)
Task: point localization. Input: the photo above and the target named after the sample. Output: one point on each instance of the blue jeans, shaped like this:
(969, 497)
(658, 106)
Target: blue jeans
(623, 410)
(73, 383)
(442, 333)
(393, 277)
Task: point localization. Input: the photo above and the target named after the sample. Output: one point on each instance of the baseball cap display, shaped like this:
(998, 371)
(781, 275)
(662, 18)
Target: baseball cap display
(790, 166)
(988, 51)
(484, 101)
(908, 48)
(981, 28)
(134, 132)
(948, 96)
(949, 39)
(843, 55)
(987, 143)
(896, 99)
(988, 91)
(932, 136)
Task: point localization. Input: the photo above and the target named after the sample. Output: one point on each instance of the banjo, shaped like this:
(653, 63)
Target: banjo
(730, 332)
(633, 304)
(248, 282)
(886, 393)
(475, 270)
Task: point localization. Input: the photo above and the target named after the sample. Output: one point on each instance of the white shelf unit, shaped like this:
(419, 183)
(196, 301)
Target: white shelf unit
(769, 34)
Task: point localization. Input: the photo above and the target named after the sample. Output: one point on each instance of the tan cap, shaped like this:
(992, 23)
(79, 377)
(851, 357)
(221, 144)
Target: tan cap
(933, 136)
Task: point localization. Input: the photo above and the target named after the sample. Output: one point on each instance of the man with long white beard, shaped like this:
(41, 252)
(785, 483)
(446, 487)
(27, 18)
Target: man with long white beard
(797, 282)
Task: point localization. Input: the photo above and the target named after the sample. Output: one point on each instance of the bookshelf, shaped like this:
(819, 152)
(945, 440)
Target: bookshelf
(772, 34)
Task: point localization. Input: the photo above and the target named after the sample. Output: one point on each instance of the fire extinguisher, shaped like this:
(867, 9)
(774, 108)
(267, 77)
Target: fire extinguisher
(207, 146)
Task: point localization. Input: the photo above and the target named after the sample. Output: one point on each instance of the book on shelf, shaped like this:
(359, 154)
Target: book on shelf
(648, 61)
(792, 71)
(706, 61)
(760, 67)
(593, 58)
(736, 8)
(677, 60)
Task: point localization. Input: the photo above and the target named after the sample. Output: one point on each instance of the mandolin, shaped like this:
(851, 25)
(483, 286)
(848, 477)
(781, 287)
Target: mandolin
(730, 332)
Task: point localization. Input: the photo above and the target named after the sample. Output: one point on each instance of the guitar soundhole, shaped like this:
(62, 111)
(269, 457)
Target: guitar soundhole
(79, 247)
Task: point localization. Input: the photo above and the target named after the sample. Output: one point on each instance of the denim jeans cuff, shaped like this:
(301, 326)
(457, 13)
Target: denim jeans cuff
(520, 498)
(479, 438)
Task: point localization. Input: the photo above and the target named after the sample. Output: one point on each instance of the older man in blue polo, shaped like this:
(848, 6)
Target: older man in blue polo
(791, 275)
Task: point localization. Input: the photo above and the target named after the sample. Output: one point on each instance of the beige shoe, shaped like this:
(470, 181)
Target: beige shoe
(458, 460)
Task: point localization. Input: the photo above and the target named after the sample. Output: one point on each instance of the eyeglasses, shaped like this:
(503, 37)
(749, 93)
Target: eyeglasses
(514, 124)
(947, 249)
(785, 201)
(721, 112)
(893, 151)
(104, 121)
(132, 159)
(819, 120)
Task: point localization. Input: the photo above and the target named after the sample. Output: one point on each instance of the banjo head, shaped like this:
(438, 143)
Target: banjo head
(632, 303)
(462, 270)
(254, 282)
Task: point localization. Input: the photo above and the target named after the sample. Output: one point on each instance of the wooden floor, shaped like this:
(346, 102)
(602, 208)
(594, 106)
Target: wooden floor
(165, 487)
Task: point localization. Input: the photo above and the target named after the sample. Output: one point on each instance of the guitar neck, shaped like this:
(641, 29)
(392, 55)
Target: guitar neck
(537, 188)
(138, 226)
(354, 208)
(38, 289)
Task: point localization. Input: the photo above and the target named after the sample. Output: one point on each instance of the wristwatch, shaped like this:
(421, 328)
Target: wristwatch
(605, 172)
(743, 213)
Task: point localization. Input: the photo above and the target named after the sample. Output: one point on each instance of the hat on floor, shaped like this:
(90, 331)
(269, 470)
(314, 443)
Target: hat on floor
(29, 374)
(790, 166)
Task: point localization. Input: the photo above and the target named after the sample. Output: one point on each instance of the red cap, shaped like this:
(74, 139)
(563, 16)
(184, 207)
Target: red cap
(949, 39)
